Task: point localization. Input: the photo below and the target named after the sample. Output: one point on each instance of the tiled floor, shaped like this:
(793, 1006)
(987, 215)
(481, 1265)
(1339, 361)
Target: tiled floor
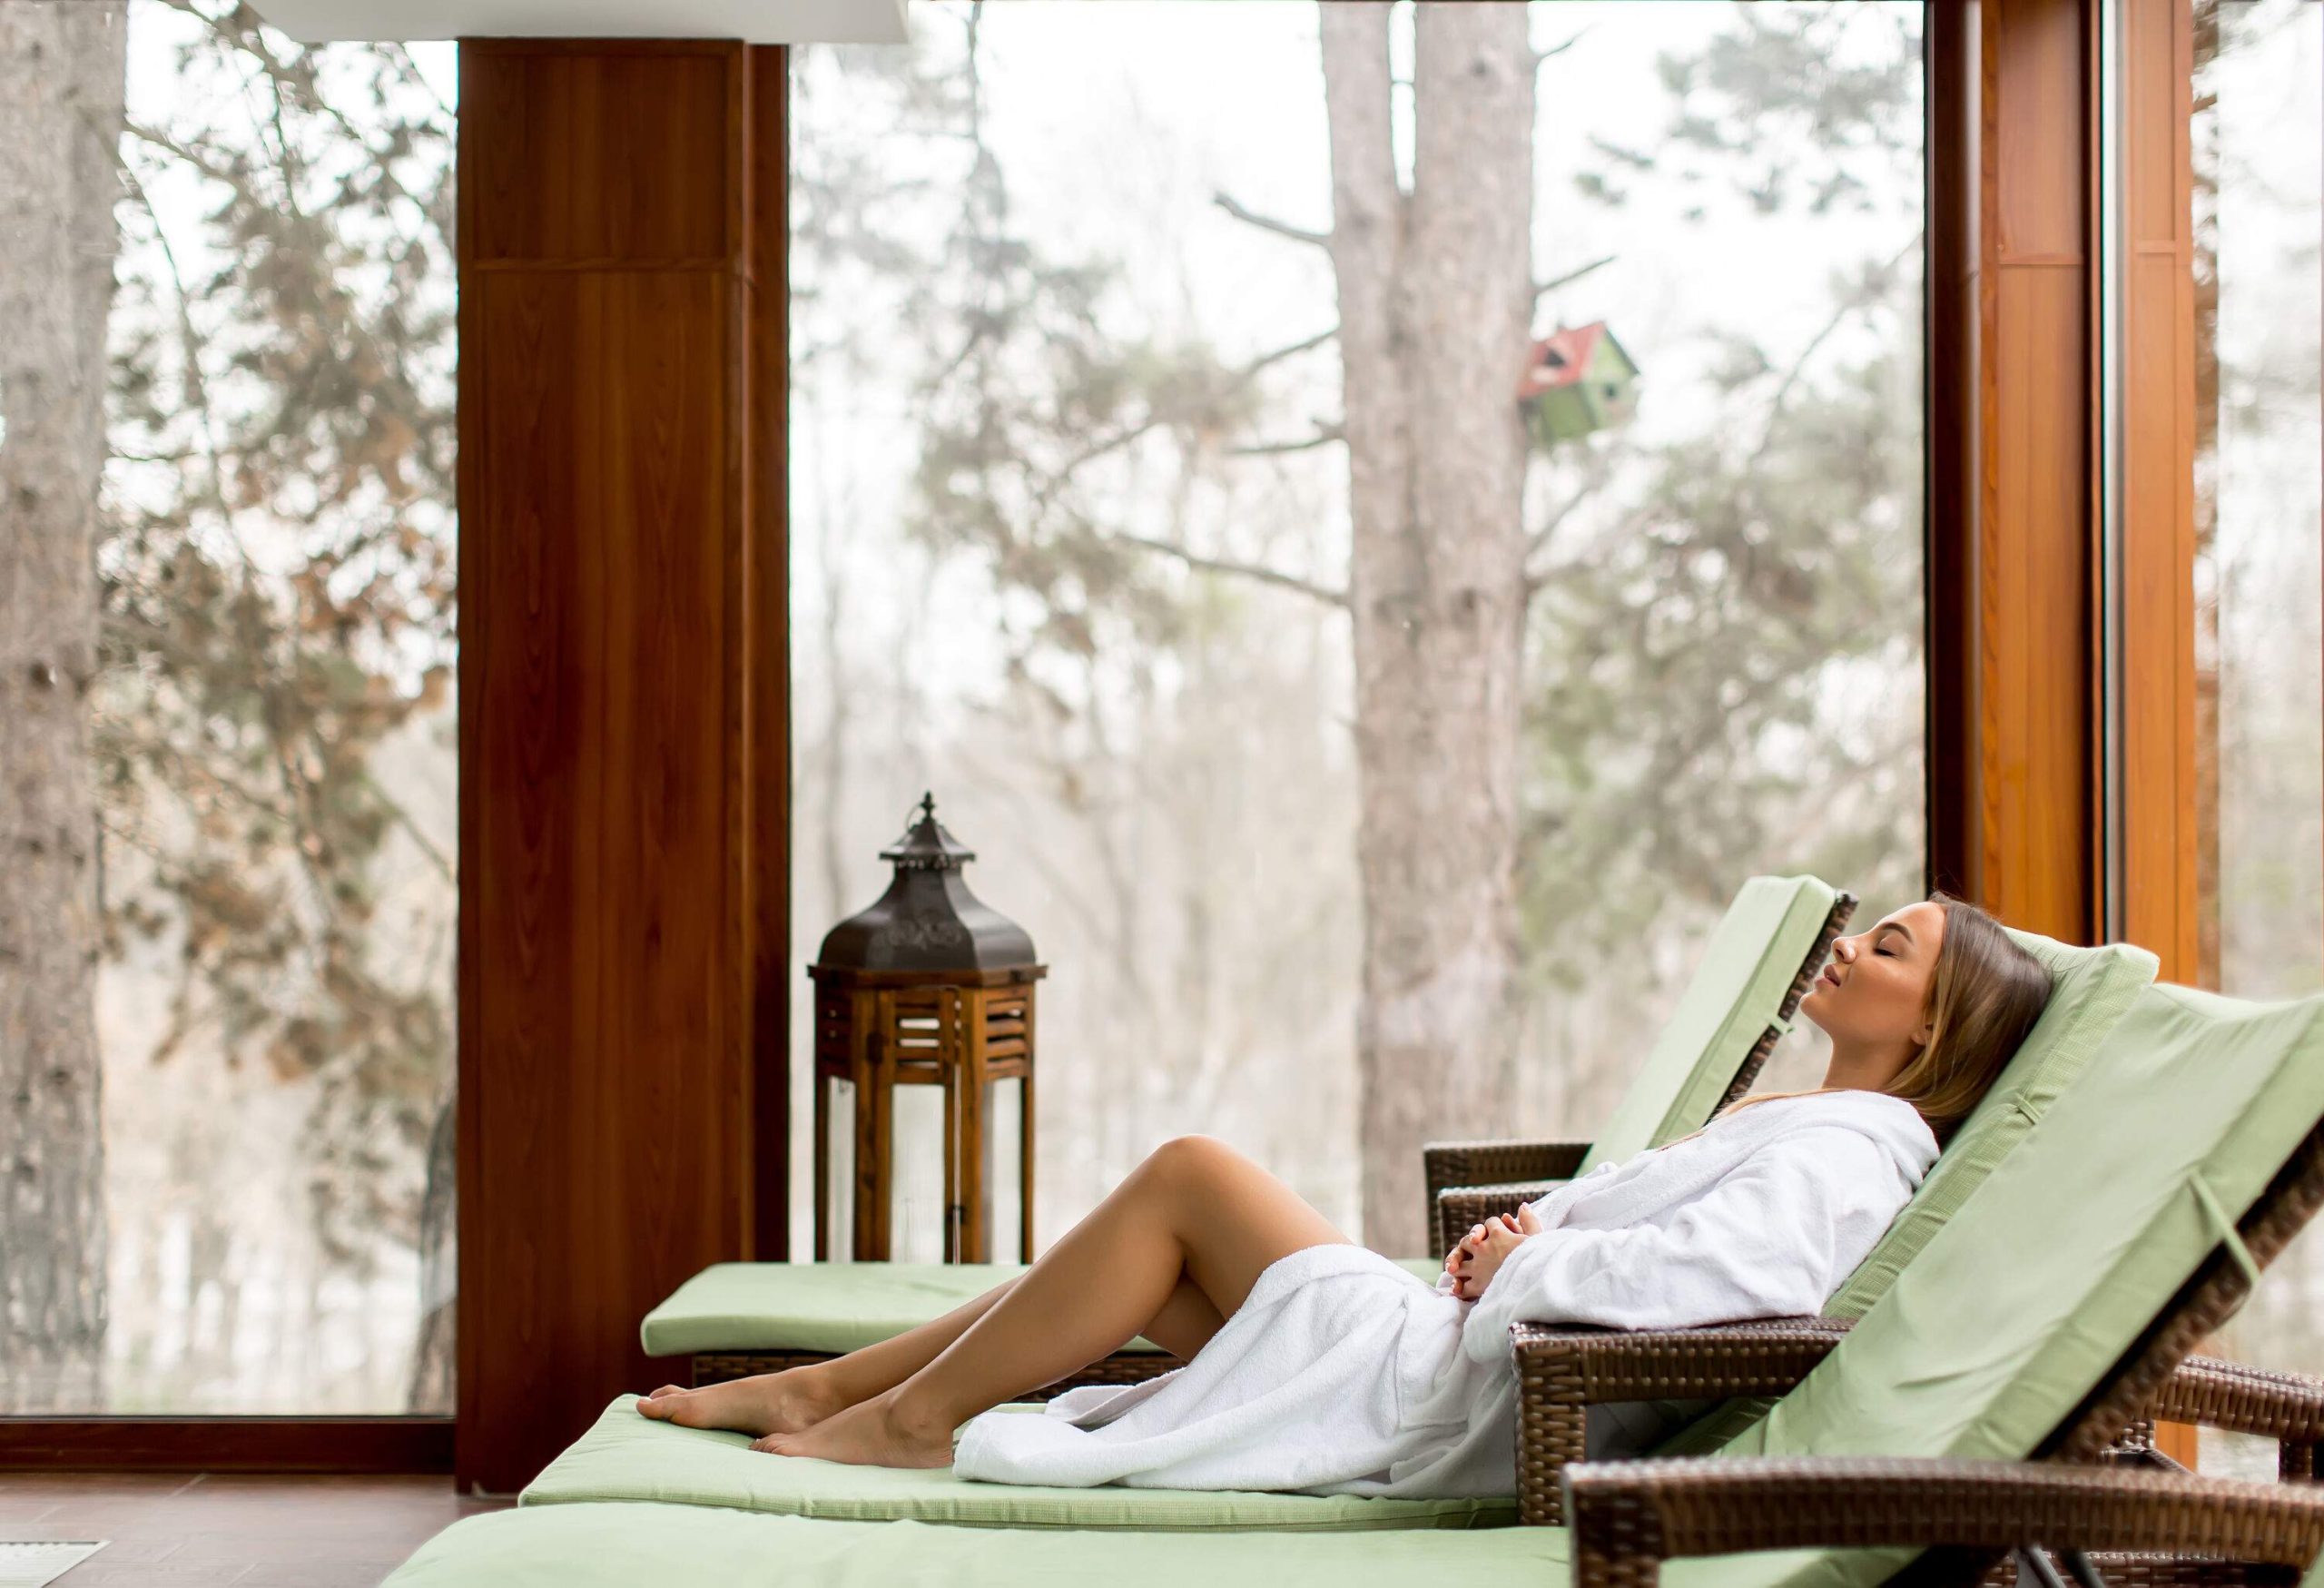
(179, 1530)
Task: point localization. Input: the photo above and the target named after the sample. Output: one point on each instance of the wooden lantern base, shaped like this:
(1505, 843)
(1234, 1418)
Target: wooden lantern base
(961, 1031)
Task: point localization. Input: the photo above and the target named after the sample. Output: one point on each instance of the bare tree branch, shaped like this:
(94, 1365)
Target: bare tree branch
(1556, 50)
(1324, 436)
(1277, 357)
(1248, 570)
(1567, 279)
(1269, 223)
(1848, 306)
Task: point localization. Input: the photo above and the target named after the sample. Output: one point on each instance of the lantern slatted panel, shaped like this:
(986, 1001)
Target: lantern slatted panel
(875, 1032)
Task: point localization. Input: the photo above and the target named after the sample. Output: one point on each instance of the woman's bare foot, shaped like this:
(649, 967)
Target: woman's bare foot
(784, 1403)
(883, 1430)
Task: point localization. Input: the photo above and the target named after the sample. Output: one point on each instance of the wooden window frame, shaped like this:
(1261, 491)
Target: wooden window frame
(2014, 576)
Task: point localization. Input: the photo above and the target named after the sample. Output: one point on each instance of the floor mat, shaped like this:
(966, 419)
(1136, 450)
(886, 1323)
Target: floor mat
(24, 1564)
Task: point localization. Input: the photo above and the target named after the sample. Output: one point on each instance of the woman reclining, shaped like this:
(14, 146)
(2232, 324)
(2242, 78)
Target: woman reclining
(1316, 1365)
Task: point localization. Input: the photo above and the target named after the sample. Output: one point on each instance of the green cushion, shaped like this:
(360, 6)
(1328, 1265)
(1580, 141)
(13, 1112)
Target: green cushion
(684, 1546)
(814, 1307)
(1736, 994)
(626, 1456)
(2090, 991)
(831, 1307)
(2081, 1238)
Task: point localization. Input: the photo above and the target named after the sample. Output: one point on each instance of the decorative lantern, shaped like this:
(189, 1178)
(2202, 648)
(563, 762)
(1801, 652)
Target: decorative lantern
(928, 987)
(1576, 381)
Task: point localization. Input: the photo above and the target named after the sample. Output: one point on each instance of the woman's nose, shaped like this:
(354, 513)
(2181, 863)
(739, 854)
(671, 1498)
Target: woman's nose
(1844, 948)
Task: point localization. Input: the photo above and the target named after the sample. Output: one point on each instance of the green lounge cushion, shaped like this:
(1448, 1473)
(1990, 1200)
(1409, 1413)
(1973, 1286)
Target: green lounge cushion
(684, 1546)
(629, 1457)
(2090, 991)
(1735, 995)
(2072, 1249)
(831, 1307)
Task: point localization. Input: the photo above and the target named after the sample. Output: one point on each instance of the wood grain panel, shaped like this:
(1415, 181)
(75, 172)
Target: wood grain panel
(591, 156)
(768, 679)
(609, 635)
(2160, 892)
(2011, 541)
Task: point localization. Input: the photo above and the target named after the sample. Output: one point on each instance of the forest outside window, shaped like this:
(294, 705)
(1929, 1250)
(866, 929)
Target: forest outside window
(259, 1218)
(2257, 148)
(1368, 753)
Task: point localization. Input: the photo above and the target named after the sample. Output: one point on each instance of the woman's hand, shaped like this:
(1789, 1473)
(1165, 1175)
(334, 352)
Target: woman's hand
(1478, 1256)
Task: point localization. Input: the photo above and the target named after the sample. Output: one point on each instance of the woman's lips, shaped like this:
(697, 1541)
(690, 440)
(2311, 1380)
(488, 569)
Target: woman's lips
(1830, 975)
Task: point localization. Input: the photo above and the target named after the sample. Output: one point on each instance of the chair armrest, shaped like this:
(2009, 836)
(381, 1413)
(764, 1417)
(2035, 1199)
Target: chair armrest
(1564, 1370)
(2288, 1407)
(1459, 1208)
(1448, 1164)
(1630, 1517)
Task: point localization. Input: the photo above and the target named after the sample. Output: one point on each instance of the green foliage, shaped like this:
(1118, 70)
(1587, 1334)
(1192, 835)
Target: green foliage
(277, 572)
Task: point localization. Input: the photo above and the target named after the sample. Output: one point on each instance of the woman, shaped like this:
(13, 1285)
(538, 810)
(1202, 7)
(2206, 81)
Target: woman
(1316, 1365)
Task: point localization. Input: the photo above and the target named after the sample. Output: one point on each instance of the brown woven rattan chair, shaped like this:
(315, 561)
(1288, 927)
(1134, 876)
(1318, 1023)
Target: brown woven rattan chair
(2135, 1529)
(2138, 1527)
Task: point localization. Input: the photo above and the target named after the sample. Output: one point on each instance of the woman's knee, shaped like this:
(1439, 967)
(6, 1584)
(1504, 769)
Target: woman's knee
(1200, 1160)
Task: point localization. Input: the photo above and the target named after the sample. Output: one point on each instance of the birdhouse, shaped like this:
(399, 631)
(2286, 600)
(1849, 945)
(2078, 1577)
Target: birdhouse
(930, 986)
(1576, 381)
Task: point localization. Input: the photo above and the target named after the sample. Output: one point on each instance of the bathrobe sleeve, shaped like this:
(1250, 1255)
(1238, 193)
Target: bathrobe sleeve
(1773, 1238)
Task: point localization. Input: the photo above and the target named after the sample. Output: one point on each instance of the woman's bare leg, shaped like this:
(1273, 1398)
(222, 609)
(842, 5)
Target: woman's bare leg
(1196, 1209)
(800, 1397)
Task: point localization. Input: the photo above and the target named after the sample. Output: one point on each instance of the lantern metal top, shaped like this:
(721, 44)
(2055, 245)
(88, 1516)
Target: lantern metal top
(927, 920)
(927, 845)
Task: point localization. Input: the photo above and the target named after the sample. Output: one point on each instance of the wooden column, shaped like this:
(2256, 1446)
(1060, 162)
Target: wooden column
(2161, 907)
(621, 746)
(2011, 723)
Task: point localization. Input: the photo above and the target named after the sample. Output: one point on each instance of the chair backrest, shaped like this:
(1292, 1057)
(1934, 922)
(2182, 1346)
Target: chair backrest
(2135, 1215)
(1758, 964)
(2090, 991)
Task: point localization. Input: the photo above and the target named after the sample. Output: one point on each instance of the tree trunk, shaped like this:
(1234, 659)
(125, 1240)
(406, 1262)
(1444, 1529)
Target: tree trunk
(435, 1351)
(62, 65)
(1435, 295)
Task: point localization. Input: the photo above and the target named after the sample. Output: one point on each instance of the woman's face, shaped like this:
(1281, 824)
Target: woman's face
(1872, 995)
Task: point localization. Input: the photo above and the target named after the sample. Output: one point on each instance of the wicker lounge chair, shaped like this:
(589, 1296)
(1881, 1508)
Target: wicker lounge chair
(2034, 1336)
(2036, 1324)
(2090, 991)
(1563, 1371)
(737, 1318)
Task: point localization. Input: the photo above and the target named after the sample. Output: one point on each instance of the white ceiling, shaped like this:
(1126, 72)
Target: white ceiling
(758, 22)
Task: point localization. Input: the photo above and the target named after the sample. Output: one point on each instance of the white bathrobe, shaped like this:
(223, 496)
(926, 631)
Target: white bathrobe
(1344, 1373)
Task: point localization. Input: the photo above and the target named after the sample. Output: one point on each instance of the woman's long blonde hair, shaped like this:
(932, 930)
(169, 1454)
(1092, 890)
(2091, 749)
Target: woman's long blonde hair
(1984, 999)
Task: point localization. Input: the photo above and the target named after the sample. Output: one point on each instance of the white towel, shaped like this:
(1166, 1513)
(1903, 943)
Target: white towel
(1342, 1373)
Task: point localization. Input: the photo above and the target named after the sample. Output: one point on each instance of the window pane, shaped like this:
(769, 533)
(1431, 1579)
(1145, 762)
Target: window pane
(1293, 762)
(2257, 139)
(271, 728)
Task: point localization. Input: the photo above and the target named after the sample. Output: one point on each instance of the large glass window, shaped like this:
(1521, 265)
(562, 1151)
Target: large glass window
(1316, 772)
(271, 721)
(2258, 197)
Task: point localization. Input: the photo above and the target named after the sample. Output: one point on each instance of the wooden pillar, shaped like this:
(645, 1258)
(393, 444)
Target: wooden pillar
(2011, 551)
(2161, 902)
(621, 790)
(2160, 905)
